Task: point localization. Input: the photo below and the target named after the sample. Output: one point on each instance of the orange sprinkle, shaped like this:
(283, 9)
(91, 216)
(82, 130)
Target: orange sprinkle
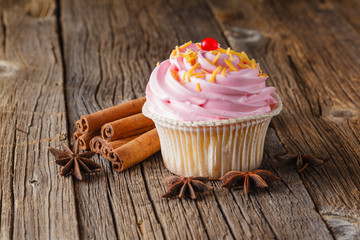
(198, 45)
(157, 64)
(243, 65)
(191, 56)
(173, 54)
(183, 76)
(213, 75)
(231, 57)
(188, 59)
(222, 50)
(186, 44)
(177, 50)
(194, 67)
(210, 62)
(198, 87)
(200, 76)
(187, 77)
(216, 58)
(174, 74)
(252, 64)
(204, 71)
(228, 51)
(260, 70)
(245, 57)
(188, 51)
(235, 53)
(194, 73)
(230, 65)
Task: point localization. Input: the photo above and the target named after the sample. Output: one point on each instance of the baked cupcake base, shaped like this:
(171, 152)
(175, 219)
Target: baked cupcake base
(212, 148)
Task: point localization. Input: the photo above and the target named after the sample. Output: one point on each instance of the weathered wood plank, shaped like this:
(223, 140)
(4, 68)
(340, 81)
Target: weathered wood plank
(98, 61)
(172, 27)
(311, 52)
(106, 49)
(349, 10)
(124, 44)
(35, 202)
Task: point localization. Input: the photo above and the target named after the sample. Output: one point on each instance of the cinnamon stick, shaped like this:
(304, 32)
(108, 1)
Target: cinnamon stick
(77, 125)
(93, 122)
(107, 147)
(136, 150)
(126, 127)
(96, 144)
(76, 135)
(84, 139)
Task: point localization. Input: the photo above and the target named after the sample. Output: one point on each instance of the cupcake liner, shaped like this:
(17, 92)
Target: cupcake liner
(212, 148)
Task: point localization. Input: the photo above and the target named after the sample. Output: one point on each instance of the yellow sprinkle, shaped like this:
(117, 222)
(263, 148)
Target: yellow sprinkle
(235, 53)
(186, 44)
(216, 58)
(230, 65)
(260, 70)
(157, 64)
(200, 76)
(188, 51)
(228, 51)
(190, 60)
(252, 64)
(210, 62)
(223, 72)
(246, 58)
(198, 87)
(243, 65)
(231, 57)
(194, 67)
(187, 77)
(173, 54)
(194, 73)
(191, 56)
(213, 75)
(177, 50)
(222, 50)
(183, 76)
(263, 75)
(198, 45)
(204, 71)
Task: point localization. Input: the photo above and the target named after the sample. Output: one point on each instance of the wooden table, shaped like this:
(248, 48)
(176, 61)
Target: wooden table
(62, 59)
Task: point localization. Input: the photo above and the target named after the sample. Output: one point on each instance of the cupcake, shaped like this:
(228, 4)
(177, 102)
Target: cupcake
(211, 108)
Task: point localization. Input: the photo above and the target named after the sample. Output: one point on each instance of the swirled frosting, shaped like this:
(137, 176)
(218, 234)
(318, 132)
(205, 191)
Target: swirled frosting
(198, 85)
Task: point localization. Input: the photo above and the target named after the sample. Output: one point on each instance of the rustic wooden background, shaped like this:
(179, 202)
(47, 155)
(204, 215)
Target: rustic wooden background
(62, 59)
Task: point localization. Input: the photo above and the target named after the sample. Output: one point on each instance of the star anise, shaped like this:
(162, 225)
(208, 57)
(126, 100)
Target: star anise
(301, 161)
(74, 162)
(258, 178)
(186, 186)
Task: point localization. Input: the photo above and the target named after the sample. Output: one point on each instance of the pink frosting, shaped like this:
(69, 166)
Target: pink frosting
(234, 95)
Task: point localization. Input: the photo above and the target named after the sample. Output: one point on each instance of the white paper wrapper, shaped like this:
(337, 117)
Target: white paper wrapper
(212, 148)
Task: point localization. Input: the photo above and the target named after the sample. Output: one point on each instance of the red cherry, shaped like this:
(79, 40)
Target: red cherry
(209, 44)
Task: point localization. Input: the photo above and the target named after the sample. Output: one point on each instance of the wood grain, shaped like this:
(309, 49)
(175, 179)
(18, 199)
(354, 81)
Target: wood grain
(128, 48)
(119, 36)
(35, 202)
(320, 93)
(60, 60)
